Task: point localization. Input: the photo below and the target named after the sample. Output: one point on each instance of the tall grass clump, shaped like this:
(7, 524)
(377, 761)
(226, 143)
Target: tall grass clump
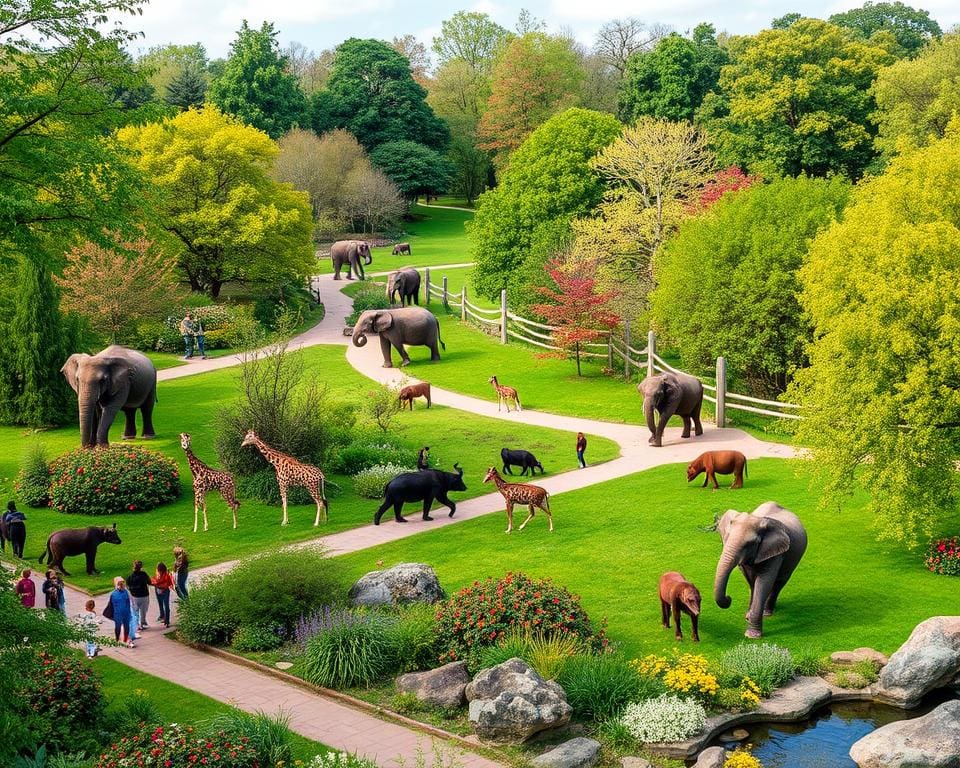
(269, 737)
(599, 687)
(354, 649)
(769, 666)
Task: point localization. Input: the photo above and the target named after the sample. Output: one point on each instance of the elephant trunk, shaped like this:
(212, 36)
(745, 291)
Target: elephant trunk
(726, 564)
(390, 289)
(368, 258)
(359, 337)
(89, 416)
(648, 412)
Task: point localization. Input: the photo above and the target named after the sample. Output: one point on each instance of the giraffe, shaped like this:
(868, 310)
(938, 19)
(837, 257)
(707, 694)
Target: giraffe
(207, 479)
(292, 473)
(520, 493)
(505, 395)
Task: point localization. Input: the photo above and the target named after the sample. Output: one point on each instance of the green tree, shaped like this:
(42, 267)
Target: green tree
(164, 63)
(728, 282)
(414, 168)
(911, 27)
(256, 86)
(188, 88)
(224, 217)
(547, 183)
(471, 37)
(881, 394)
(806, 112)
(785, 21)
(372, 94)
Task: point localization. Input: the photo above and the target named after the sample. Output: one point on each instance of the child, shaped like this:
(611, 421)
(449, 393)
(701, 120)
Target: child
(89, 621)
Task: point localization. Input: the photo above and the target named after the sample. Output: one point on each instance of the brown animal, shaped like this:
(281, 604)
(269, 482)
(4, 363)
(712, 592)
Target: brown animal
(505, 395)
(207, 479)
(401, 248)
(78, 541)
(680, 595)
(408, 393)
(292, 473)
(724, 462)
(532, 496)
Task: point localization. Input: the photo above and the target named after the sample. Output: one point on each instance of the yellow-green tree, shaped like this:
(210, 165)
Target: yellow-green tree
(225, 218)
(882, 392)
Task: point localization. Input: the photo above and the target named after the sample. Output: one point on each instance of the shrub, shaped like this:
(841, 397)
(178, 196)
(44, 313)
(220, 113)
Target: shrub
(381, 407)
(768, 666)
(66, 695)
(413, 638)
(685, 674)
(741, 758)
(340, 760)
(33, 479)
(665, 718)
(256, 637)
(108, 481)
(598, 687)
(943, 557)
(362, 455)
(513, 645)
(137, 712)
(808, 662)
(353, 650)
(269, 738)
(208, 616)
(368, 296)
(369, 483)
(178, 745)
(485, 612)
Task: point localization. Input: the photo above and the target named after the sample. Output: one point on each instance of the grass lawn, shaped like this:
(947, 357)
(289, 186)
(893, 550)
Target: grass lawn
(175, 703)
(191, 404)
(458, 202)
(614, 540)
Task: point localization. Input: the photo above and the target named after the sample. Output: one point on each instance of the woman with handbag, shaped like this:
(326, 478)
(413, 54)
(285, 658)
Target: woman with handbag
(118, 609)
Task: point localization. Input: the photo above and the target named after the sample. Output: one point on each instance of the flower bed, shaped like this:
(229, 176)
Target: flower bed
(178, 745)
(943, 557)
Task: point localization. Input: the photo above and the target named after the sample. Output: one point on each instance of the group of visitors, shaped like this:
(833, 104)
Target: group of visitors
(192, 331)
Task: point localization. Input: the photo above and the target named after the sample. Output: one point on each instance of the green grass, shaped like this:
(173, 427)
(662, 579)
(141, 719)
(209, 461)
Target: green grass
(175, 703)
(191, 404)
(459, 202)
(614, 540)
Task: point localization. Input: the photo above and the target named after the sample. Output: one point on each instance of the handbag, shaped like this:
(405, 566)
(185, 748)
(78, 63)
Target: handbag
(108, 610)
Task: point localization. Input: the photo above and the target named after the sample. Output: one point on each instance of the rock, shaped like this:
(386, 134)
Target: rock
(442, 687)
(283, 664)
(404, 583)
(796, 699)
(511, 702)
(711, 757)
(846, 680)
(635, 762)
(737, 734)
(576, 753)
(860, 654)
(924, 742)
(929, 659)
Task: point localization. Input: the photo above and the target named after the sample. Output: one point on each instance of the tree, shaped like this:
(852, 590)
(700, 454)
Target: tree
(619, 39)
(310, 69)
(911, 27)
(413, 168)
(728, 282)
(114, 289)
(256, 86)
(471, 37)
(547, 183)
(187, 89)
(785, 21)
(723, 181)
(372, 200)
(165, 63)
(575, 307)
(416, 53)
(880, 396)
(224, 217)
(808, 112)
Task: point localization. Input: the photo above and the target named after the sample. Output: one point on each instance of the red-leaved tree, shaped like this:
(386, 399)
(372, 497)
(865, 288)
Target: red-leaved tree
(729, 179)
(579, 314)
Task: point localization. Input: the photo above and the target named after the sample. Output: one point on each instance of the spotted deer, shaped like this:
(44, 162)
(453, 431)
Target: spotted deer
(206, 479)
(505, 395)
(292, 473)
(532, 496)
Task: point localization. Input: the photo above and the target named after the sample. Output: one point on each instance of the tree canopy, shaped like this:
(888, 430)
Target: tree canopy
(414, 168)
(911, 27)
(471, 37)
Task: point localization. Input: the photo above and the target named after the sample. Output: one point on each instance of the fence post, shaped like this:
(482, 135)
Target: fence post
(463, 303)
(626, 352)
(651, 351)
(610, 350)
(427, 281)
(503, 316)
(721, 392)
(446, 301)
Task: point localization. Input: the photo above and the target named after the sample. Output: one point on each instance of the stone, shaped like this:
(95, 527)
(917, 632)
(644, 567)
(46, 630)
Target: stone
(929, 659)
(737, 734)
(510, 702)
(576, 753)
(796, 699)
(404, 583)
(283, 664)
(924, 742)
(441, 687)
(711, 757)
(635, 762)
(849, 658)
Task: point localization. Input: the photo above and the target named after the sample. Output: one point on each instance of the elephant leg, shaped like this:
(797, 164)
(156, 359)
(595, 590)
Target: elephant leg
(385, 350)
(762, 589)
(106, 421)
(665, 417)
(434, 352)
(697, 426)
(404, 357)
(146, 413)
(130, 423)
(686, 426)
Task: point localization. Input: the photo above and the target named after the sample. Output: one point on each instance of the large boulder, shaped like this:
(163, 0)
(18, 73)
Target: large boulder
(441, 687)
(711, 757)
(404, 583)
(930, 741)
(929, 659)
(510, 702)
(576, 753)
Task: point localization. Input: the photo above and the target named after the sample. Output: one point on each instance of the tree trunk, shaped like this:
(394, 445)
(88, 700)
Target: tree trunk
(577, 346)
(215, 286)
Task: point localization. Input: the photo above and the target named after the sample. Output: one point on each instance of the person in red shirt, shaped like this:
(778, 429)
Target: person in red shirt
(26, 589)
(162, 584)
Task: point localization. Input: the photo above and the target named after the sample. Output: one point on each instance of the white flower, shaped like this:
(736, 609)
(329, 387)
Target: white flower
(666, 718)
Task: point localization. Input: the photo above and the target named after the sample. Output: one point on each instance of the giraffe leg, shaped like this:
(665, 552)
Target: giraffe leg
(546, 508)
(195, 511)
(206, 525)
(283, 499)
(509, 516)
(529, 517)
(516, 402)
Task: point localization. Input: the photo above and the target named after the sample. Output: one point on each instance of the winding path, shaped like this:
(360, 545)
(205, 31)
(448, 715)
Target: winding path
(332, 722)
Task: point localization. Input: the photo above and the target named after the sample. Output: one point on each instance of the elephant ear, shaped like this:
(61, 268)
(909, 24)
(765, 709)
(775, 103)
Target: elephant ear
(724, 523)
(383, 321)
(773, 541)
(70, 368)
(120, 373)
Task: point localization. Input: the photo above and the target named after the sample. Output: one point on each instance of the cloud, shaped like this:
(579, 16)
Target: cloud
(284, 12)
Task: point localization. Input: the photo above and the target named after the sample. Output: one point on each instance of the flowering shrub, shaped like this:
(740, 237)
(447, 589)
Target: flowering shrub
(943, 556)
(666, 718)
(340, 760)
(361, 455)
(66, 694)
(485, 612)
(741, 758)
(369, 483)
(106, 481)
(686, 674)
(177, 745)
(750, 693)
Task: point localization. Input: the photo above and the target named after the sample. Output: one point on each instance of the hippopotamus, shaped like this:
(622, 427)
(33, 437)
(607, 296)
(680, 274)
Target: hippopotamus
(78, 541)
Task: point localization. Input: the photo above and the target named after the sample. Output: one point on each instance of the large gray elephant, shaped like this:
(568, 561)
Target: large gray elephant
(116, 379)
(350, 252)
(767, 545)
(406, 284)
(669, 394)
(406, 325)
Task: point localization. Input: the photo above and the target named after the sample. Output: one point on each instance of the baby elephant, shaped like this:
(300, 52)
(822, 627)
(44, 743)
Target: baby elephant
(407, 394)
(680, 595)
(401, 248)
(723, 462)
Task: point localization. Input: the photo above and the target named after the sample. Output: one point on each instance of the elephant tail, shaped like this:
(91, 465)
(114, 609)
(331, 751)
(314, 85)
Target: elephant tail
(46, 553)
(442, 345)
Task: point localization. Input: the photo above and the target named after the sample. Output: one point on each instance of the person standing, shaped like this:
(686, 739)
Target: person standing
(15, 521)
(181, 566)
(89, 621)
(120, 604)
(581, 449)
(51, 590)
(423, 458)
(201, 340)
(138, 583)
(26, 589)
(162, 584)
(188, 330)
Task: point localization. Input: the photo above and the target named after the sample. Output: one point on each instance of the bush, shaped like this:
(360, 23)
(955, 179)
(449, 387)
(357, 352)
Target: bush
(108, 481)
(207, 617)
(546, 654)
(513, 646)
(137, 712)
(808, 662)
(368, 296)
(340, 760)
(741, 758)
(362, 455)
(369, 483)
(178, 745)
(485, 612)
(685, 674)
(943, 557)
(413, 638)
(353, 650)
(66, 695)
(255, 637)
(269, 738)
(665, 718)
(598, 687)
(33, 479)
(381, 407)
(768, 666)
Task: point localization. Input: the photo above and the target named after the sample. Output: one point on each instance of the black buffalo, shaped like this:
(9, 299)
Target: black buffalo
(78, 541)
(523, 459)
(425, 485)
(15, 531)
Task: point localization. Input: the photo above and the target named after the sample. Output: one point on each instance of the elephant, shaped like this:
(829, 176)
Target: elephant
(668, 394)
(767, 545)
(406, 325)
(114, 379)
(349, 252)
(406, 283)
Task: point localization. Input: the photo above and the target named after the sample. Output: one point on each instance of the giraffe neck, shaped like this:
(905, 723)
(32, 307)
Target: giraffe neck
(193, 461)
(499, 482)
(275, 457)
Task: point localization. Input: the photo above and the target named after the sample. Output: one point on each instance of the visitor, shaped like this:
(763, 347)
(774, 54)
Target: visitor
(201, 341)
(119, 611)
(26, 589)
(181, 566)
(162, 584)
(14, 515)
(138, 583)
(581, 449)
(423, 458)
(188, 330)
(52, 590)
(89, 621)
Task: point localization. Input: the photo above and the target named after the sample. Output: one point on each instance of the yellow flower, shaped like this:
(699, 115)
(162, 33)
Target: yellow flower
(742, 759)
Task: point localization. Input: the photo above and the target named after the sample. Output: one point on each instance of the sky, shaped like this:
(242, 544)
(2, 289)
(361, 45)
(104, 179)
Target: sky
(322, 24)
